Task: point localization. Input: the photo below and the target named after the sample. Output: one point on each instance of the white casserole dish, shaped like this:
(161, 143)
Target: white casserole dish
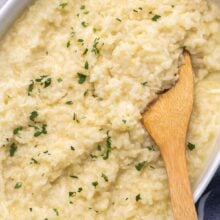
(11, 9)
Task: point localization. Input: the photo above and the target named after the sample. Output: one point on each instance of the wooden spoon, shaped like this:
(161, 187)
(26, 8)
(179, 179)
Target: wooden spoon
(167, 121)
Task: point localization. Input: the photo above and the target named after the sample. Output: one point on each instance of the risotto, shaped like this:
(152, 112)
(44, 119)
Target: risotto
(75, 77)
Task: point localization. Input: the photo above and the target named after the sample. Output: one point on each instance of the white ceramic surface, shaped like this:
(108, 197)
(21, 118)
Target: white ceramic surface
(11, 9)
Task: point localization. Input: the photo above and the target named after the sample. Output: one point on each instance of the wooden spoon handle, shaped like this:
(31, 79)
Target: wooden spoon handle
(180, 190)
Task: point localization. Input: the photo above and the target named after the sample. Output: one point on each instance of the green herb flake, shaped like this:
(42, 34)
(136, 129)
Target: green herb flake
(42, 130)
(72, 148)
(104, 177)
(59, 80)
(93, 156)
(82, 7)
(134, 10)
(86, 66)
(124, 121)
(81, 78)
(30, 209)
(80, 40)
(30, 88)
(144, 83)
(74, 177)
(63, 5)
(85, 51)
(138, 197)
(95, 184)
(108, 147)
(75, 118)
(33, 115)
(56, 211)
(13, 148)
(118, 19)
(44, 80)
(16, 130)
(72, 194)
(84, 24)
(151, 148)
(34, 161)
(69, 103)
(80, 189)
(140, 8)
(99, 147)
(191, 146)
(140, 165)
(95, 48)
(86, 93)
(18, 185)
(68, 44)
(155, 17)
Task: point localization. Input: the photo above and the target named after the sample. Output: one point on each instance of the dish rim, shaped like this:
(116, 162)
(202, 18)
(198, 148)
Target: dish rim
(11, 10)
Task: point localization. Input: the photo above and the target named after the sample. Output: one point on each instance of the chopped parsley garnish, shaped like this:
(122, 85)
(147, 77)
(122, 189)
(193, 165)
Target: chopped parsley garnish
(34, 161)
(81, 78)
(74, 177)
(172, 6)
(99, 147)
(151, 148)
(16, 130)
(85, 51)
(155, 17)
(95, 184)
(75, 118)
(13, 148)
(68, 44)
(138, 197)
(94, 30)
(140, 8)
(63, 5)
(84, 24)
(140, 165)
(59, 80)
(86, 66)
(44, 80)
(93, 156)
(56, 211)
(86, 93)
(33, 115)
(104, 177)
(134, 10)
(144, 83)
(118, 19)
(95, 48)
(72, 148)
(124, 121)
(40, 131)
(80, 40)
(108, 147)
(18, 185)
(80, 189)
(30, 87)
(152, 167)
(30, 209)
(191, 146)
(69, 103)
(71, 194)
(82, 7)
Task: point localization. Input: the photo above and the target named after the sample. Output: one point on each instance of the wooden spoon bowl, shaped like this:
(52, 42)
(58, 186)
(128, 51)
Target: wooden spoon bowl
(167, 121)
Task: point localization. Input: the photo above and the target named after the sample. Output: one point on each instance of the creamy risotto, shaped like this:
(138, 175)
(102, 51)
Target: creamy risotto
(75, 77)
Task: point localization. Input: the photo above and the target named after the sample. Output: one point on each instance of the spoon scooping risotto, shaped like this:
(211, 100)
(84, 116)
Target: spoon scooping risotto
(167, 121)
